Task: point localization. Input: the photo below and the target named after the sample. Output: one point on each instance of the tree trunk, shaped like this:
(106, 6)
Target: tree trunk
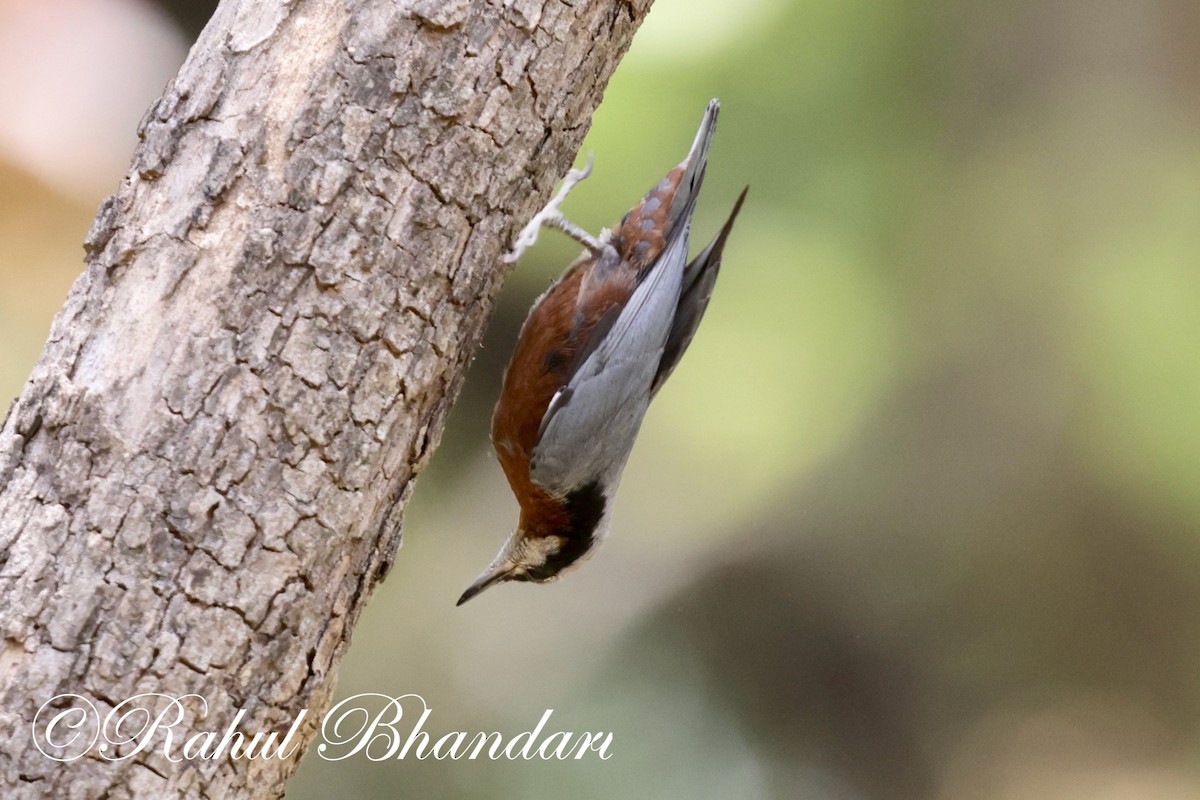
(204, 477)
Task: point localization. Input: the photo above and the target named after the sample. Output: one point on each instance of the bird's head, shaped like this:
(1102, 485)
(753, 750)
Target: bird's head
(538, 559)
(548, 545)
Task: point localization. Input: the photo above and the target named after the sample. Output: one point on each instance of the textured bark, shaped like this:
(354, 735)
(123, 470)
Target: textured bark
(204, 477)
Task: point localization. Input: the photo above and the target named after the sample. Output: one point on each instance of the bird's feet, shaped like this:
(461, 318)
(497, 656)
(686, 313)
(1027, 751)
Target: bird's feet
(552, 217)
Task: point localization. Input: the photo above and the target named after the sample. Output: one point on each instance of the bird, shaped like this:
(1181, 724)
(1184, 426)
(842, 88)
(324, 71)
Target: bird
(596, 348)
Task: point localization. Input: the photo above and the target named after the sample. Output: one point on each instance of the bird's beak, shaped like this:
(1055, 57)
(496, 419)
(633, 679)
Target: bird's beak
(496, 573)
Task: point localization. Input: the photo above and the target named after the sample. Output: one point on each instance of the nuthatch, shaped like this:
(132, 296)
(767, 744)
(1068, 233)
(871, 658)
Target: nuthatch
(596, 347)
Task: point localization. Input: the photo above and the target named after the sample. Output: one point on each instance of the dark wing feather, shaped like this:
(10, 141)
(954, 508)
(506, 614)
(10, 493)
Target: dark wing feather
(699, 278)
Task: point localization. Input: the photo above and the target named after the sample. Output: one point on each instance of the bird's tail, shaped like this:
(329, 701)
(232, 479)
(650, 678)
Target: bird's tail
(693, 167)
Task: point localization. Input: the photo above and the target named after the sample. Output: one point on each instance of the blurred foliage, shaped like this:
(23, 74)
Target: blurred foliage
(40, 254)
(918, 516)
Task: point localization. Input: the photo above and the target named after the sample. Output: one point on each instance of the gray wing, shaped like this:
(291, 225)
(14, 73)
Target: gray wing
(699, 278)
(592, 422)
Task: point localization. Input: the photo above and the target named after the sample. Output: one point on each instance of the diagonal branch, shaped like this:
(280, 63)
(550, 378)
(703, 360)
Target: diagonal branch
(205, 475)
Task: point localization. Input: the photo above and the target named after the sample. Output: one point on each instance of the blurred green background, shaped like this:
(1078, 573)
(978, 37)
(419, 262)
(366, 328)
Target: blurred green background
(919, 514)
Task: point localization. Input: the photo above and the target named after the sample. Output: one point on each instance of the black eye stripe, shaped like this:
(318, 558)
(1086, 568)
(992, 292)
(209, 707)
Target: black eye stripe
(585, 507)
